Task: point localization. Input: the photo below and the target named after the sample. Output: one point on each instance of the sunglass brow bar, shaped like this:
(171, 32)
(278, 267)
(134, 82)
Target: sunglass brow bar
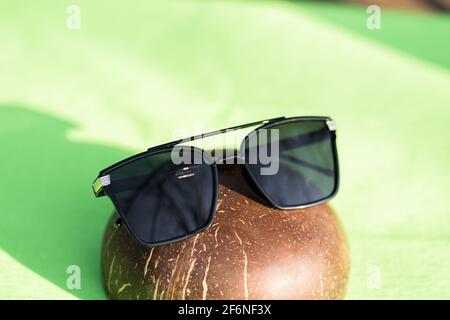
(104, 180)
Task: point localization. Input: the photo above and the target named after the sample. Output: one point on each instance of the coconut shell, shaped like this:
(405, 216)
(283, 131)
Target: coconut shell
(251, 251)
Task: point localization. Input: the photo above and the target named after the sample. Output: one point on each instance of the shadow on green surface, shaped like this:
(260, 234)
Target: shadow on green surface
(50, 218)
(421, 35)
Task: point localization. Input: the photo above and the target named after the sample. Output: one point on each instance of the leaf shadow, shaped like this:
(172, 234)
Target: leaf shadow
(50, 218)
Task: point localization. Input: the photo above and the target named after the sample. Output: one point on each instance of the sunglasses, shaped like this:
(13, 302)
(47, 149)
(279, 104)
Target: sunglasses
(170, 191)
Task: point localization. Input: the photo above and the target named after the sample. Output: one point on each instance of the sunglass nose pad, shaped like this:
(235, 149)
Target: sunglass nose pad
(118, 223)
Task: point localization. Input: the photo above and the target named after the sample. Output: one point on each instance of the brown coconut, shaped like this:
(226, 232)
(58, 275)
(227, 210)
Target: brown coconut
(251, 251)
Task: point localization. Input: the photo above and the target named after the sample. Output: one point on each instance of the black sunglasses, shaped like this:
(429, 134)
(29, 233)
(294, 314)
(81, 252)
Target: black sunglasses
(162, 199)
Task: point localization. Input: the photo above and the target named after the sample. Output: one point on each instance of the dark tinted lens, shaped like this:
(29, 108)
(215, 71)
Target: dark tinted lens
(305, 162)
(162, 201)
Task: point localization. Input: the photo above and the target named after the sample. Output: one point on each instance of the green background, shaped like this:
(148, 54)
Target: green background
(74, 101)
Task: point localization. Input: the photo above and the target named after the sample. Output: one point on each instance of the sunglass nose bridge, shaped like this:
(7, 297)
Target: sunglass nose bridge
(227, 156)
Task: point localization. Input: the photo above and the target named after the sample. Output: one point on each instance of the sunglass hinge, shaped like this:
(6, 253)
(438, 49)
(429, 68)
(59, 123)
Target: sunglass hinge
(99, 183)
(331, 125)
(118, 223)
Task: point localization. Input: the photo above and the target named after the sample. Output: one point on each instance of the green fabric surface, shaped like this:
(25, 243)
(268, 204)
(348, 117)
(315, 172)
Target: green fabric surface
(74, 101)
